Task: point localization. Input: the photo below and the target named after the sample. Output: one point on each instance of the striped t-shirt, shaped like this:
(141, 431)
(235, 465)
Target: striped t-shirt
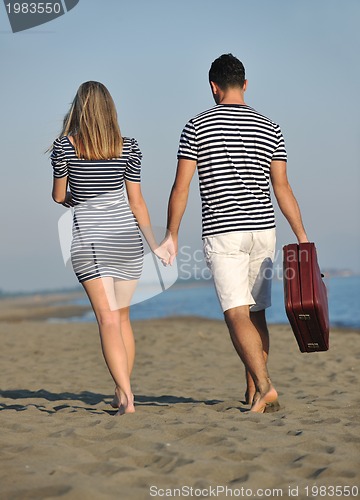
(233, 146)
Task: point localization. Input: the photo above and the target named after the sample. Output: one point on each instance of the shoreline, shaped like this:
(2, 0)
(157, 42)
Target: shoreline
(58, 307)
(42, 307)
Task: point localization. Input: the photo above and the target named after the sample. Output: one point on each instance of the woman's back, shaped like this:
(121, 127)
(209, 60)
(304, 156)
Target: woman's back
(92, 178)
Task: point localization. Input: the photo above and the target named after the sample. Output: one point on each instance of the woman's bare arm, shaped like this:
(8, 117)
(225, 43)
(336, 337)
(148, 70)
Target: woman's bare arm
(139, 209)
(60, 194)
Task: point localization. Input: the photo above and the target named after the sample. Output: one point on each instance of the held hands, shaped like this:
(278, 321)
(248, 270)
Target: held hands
(167, 250)
(162, 254)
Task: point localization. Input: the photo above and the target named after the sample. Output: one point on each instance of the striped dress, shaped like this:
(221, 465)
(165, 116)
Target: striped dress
(106, 238)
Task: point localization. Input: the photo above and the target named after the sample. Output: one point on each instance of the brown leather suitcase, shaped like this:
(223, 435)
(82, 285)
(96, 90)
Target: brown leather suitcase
(305, 294)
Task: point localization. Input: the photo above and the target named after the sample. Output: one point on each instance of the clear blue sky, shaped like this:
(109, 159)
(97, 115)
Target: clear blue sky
(302, 63)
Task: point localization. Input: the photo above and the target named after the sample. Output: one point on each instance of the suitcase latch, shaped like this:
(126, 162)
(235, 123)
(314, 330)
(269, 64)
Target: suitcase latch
(304, 317)
(313, 345)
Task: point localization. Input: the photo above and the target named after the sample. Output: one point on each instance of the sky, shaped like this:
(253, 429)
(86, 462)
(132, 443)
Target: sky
(302, 65)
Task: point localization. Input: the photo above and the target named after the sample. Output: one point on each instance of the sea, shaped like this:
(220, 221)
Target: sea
(198, 298)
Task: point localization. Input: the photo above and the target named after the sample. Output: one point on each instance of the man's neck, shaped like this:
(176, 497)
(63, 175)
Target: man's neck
(232, 96)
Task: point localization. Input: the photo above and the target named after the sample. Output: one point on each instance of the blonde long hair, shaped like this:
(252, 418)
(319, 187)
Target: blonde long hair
(92, 123)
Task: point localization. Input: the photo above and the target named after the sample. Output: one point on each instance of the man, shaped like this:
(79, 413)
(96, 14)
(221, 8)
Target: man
(238, 153)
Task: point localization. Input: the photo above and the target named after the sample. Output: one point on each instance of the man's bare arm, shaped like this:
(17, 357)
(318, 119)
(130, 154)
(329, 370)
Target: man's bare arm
(178, 198)
(286, 199)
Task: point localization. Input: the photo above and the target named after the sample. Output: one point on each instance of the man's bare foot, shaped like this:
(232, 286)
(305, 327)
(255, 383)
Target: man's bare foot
(250, 388)
(249, 397)
(266, 402)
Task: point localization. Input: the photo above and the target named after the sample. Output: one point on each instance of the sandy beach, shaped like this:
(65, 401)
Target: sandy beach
(191, 429)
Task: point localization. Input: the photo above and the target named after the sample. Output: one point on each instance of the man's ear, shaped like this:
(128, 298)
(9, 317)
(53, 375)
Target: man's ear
(214, 88)
(245, 85)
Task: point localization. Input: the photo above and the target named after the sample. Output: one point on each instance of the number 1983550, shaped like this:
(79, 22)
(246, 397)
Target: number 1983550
(332, 491)
(34, 8)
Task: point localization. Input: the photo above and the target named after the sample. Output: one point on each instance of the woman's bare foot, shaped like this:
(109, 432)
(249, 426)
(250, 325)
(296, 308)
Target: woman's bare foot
(266, 402)
(115, 403)
(124, 404)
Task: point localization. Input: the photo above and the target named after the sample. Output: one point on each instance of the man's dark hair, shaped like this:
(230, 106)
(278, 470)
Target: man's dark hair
(227, 71)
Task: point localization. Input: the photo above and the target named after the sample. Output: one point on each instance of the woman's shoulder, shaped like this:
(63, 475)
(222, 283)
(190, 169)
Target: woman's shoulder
(130, 145)
(63, 147)
(130, 140)
(64, 140)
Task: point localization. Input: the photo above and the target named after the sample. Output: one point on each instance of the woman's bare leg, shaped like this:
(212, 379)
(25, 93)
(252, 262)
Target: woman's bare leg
(102, 297)
(128, 337)
(129, 342)
(124, 290)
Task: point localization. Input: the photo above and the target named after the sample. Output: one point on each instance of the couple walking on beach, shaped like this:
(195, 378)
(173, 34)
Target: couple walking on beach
(238, 153)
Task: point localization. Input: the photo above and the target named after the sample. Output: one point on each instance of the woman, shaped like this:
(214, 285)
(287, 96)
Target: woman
(95, 162)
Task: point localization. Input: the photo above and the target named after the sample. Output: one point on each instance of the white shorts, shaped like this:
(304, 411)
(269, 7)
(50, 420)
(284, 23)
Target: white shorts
(242, 267)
